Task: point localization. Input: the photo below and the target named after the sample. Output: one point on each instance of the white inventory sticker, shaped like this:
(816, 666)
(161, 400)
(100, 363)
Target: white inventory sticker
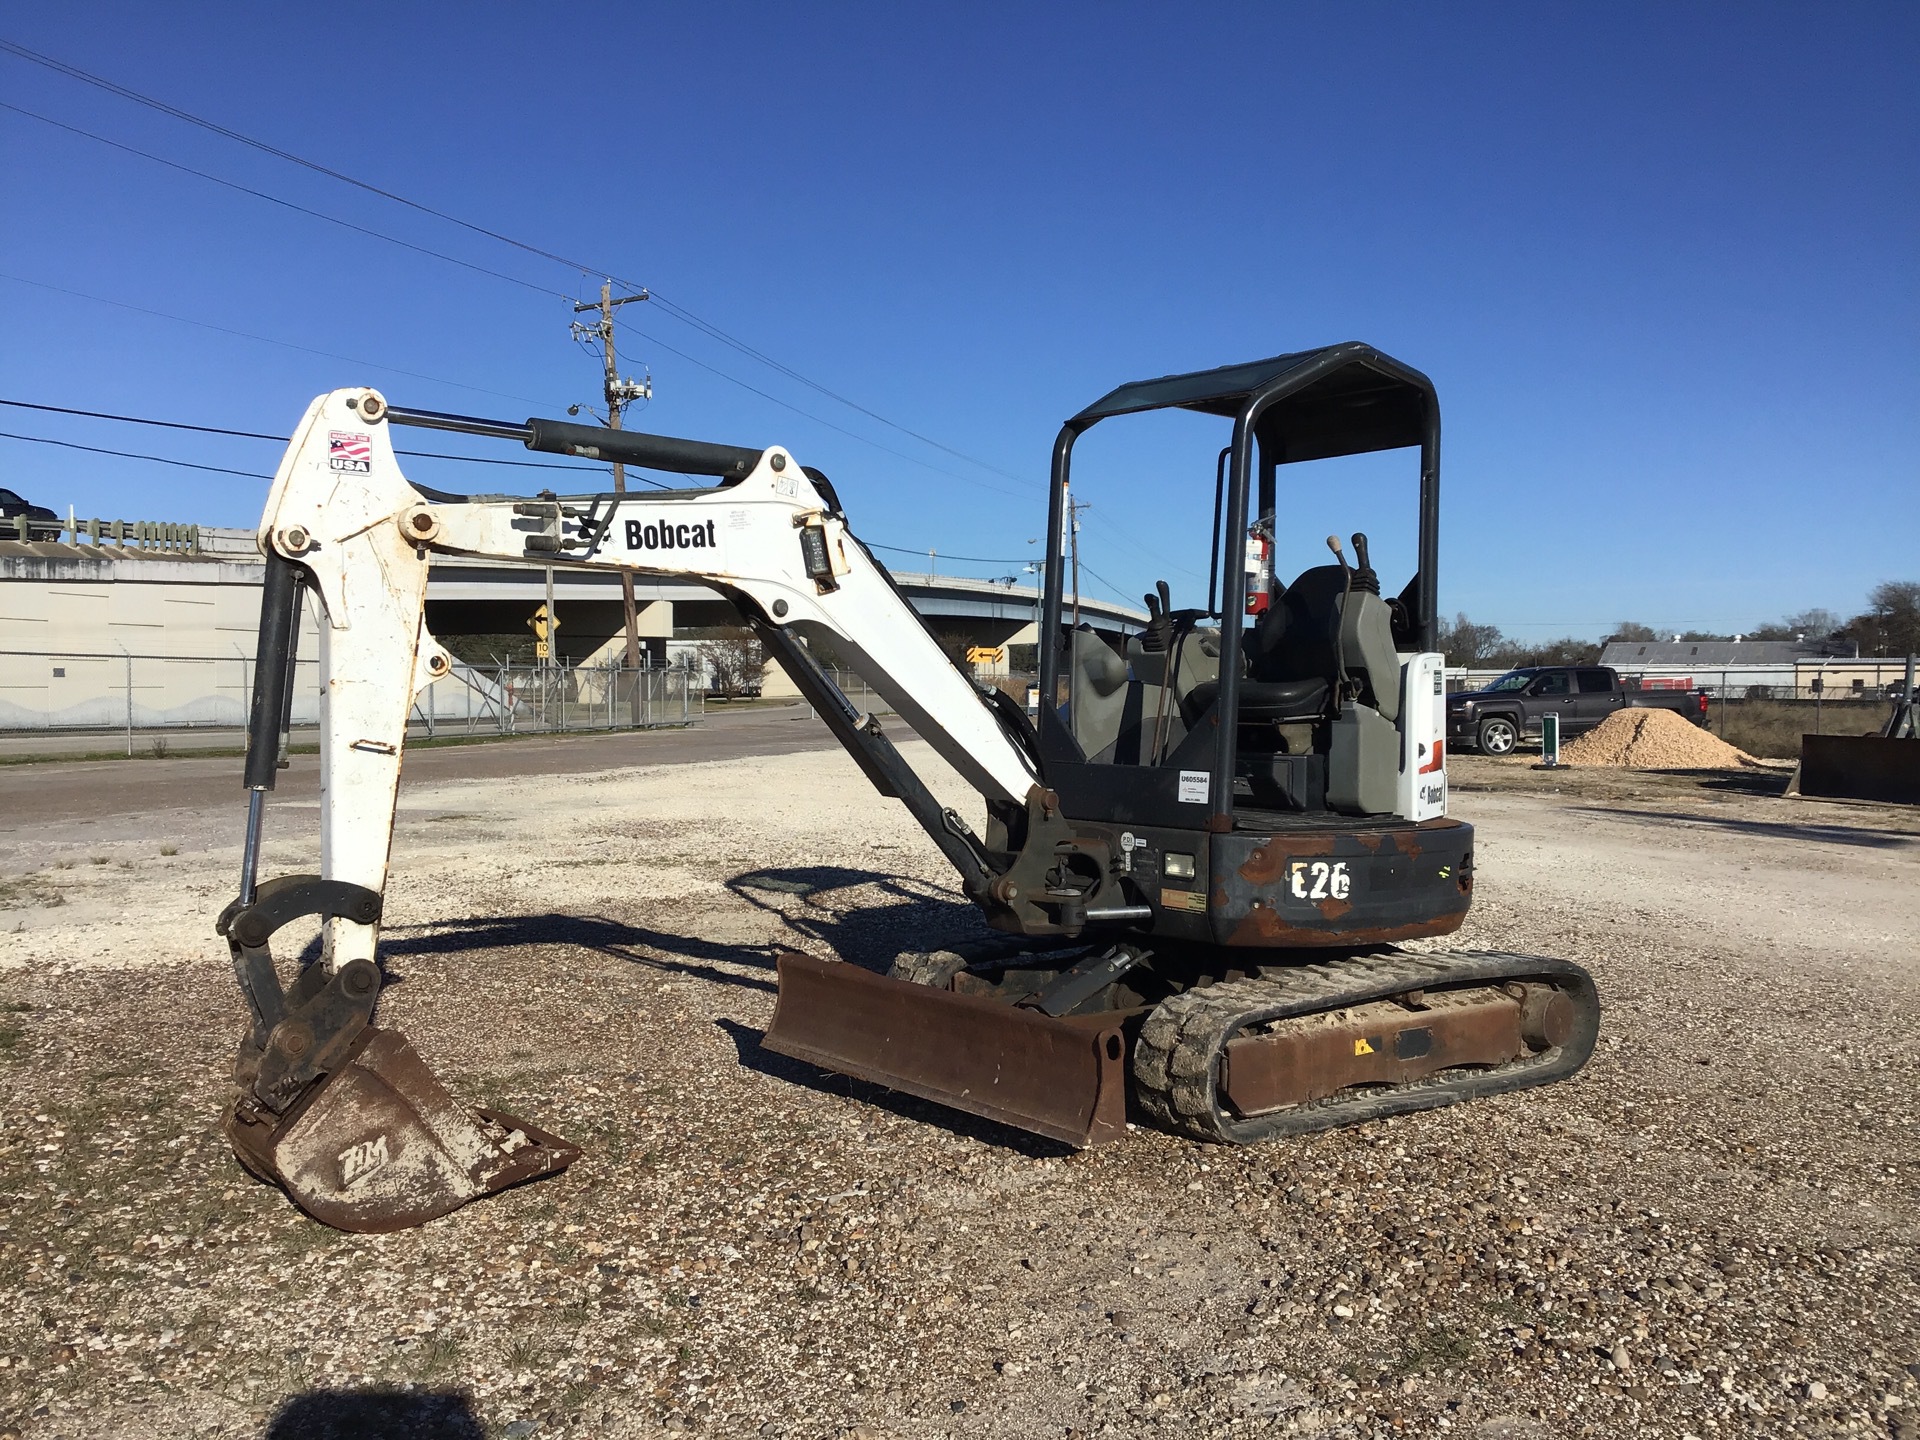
(1193, 787)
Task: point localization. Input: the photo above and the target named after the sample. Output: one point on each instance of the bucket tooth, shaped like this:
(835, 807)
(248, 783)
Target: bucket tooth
(1065, 1079)
(380, 1145)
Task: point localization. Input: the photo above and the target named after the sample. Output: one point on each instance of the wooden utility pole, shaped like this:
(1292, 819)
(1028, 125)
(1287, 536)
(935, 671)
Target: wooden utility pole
(1074, 507)
(618, 393)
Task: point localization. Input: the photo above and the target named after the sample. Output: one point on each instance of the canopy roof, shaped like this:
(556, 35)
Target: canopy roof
(1337, 400)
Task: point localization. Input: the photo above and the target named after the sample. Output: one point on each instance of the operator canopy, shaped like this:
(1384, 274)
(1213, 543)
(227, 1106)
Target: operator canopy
(1338, 400)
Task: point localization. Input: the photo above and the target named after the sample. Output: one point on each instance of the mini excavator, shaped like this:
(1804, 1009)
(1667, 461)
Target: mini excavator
(1198, 862)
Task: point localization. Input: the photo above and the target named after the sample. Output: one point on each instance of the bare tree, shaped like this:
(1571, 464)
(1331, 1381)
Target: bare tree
(1891, 623)
(734, 659)
(1815, 624)
(1568, 650)
(1468, 644)
(1632, 632)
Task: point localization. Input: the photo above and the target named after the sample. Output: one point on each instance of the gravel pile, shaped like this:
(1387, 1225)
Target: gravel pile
(1653, 740)
(1710, 1233)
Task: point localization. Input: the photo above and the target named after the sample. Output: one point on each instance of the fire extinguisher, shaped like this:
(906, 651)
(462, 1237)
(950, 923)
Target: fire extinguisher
(1260, 567)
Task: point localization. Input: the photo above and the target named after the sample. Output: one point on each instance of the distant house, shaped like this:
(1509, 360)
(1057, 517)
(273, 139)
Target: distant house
(1753, 669)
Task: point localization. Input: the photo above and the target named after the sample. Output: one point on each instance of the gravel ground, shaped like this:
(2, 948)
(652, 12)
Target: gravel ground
(1711, 1232)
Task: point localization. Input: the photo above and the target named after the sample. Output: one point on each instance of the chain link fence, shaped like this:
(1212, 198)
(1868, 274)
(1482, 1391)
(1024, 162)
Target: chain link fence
(79, 692)
(1765, 709)
(1023, 687)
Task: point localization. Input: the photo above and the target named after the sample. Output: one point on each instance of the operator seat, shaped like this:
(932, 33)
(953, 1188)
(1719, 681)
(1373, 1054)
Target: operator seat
(1099, 692)
(1290, 664)
(1293, 655)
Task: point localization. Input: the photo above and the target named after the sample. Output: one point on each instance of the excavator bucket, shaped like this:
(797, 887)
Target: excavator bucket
(1065, 1079)
(378, 1144)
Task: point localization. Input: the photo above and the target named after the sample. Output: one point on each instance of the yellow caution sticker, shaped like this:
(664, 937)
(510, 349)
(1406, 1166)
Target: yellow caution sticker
(1362, 1047)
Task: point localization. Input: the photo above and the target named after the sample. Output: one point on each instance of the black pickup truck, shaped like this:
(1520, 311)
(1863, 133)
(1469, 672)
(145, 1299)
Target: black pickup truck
(1493, 720)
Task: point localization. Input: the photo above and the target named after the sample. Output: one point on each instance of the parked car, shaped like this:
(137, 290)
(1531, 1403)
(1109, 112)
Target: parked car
(1494, 720)
(42, 523)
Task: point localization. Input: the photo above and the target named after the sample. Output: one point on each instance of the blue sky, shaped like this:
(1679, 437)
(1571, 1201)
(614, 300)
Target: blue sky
(1660, 261)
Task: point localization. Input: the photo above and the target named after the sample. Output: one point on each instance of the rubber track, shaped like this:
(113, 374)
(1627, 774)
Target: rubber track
(1176, 1060)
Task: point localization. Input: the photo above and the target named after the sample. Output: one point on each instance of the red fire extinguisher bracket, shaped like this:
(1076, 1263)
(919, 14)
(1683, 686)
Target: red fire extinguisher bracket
(1259, 569)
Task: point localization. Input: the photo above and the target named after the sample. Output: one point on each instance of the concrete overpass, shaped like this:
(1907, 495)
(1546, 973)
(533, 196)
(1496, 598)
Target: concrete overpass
(167, 631)
(480, 597)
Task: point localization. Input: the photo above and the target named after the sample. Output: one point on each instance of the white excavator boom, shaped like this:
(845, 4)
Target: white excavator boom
(341, 508)
(343, 1114)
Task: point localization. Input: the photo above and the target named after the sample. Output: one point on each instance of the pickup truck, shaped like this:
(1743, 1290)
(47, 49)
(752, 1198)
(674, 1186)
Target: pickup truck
(1493, 720)
(23, 521)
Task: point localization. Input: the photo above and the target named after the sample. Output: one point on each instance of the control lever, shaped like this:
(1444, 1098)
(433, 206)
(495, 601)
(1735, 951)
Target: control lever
(1364, 578)
(1340, 623)
(1158, 635)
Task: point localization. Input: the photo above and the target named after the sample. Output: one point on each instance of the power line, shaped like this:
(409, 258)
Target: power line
(1106, 582)
(132, 455)
(752, 389)
(74, 72)
(481, 459)
(1127, 540)
(268, 340)
(259, 435)
(841, 429)
(282, 440)
(142, 420)
(679, 312)
(688, 317)
(287, 204)
(941, 554)
(256, 475)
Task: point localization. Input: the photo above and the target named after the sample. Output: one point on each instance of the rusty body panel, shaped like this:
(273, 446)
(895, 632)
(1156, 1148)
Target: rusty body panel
(1065, 1079)
(380, 1145)
(1384, 1043)
(1347, 886)
(1401, 882)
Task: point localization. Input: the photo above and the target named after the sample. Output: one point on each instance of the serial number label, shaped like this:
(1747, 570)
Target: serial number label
(1319, 880)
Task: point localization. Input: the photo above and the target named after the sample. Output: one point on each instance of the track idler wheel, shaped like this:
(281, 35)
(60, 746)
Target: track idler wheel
(345, 1117)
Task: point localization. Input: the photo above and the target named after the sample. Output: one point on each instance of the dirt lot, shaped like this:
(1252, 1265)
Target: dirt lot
(1711, 1232)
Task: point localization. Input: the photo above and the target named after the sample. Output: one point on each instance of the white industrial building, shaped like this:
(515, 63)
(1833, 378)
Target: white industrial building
(162, 633)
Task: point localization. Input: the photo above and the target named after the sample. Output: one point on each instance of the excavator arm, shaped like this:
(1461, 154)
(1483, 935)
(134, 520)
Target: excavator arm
(772, 539)
(344, 1115)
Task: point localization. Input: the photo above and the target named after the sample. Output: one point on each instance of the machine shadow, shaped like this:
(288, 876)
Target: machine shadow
(922, 916)
(870, 936)
(1771, 783)
(756, 1057)
(611, 938)
(1858, 836)
(376, 1414)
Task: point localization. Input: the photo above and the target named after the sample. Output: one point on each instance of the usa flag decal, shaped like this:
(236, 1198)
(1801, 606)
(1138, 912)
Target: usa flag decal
(348, 453)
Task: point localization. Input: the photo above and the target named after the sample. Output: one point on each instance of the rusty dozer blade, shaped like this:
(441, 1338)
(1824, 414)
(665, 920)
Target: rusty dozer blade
(1063, 1079)
(378, 1144)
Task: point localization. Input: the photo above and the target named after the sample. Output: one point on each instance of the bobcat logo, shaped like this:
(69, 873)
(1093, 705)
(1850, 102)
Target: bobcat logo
(359, 1161)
